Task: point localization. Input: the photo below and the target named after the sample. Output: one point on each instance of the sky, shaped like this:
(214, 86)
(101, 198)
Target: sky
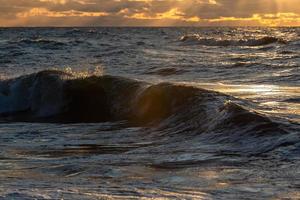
(149, 13)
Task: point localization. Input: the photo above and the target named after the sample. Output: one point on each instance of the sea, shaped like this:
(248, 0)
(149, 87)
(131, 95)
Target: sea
(150, 113)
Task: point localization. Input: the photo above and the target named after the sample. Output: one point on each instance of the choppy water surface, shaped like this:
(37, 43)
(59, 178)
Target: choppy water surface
(171, 113)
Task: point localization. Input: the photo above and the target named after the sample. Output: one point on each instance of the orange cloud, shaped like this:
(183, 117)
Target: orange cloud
(38, 12)
(278, 19)
(173, 14)
(149, 12)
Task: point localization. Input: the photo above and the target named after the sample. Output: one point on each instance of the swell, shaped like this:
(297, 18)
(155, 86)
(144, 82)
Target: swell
(195, 39)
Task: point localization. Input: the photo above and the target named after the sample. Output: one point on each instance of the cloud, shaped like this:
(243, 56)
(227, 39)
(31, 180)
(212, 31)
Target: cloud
(148, 12)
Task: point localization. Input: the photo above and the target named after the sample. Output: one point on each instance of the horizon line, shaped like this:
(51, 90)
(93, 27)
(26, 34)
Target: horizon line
(297, 26)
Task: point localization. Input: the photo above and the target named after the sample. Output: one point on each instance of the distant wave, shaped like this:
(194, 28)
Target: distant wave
(195, 39)
(42, 43)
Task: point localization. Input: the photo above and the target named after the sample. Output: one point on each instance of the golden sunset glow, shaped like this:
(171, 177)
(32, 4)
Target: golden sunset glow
(149, 13)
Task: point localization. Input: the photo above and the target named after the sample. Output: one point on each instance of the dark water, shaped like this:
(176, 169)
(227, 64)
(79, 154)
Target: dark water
(163, 113)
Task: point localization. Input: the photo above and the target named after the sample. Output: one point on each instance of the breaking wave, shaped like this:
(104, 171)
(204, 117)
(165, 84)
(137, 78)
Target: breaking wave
(60, 97)
(195, 39)
(66, 98)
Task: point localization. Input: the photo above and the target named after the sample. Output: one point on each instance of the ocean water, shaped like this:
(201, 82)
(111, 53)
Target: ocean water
(150, 113)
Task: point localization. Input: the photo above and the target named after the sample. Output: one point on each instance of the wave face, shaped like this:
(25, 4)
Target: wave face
(56, 96)
(196, 39)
